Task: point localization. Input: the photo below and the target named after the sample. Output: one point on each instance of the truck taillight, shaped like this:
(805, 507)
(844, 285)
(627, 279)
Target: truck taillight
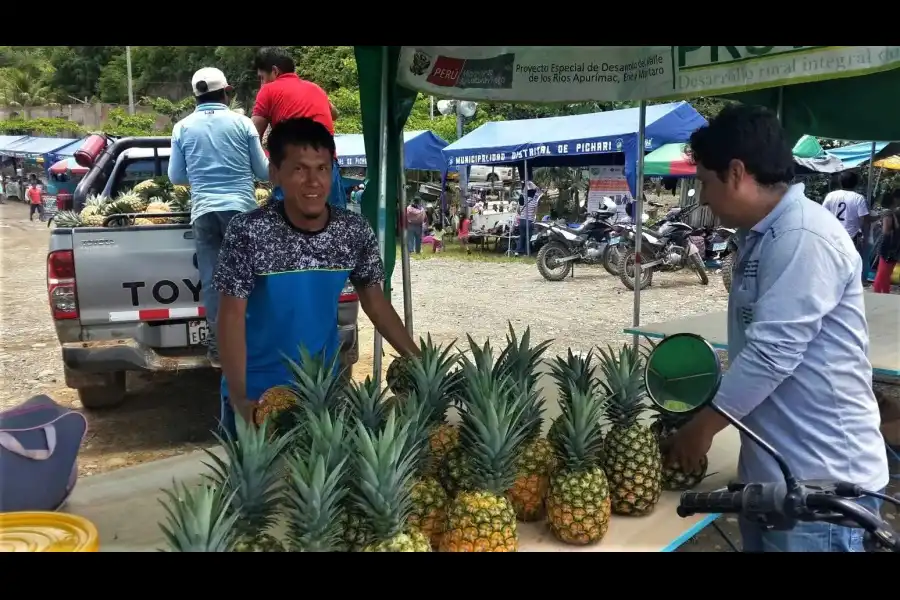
(61, 285)
(348, 294)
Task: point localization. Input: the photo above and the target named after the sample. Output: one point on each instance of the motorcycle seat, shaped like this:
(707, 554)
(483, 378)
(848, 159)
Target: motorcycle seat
(654, 232)
(577, 230)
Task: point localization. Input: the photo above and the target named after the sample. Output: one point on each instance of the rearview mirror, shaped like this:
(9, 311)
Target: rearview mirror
(682, 373)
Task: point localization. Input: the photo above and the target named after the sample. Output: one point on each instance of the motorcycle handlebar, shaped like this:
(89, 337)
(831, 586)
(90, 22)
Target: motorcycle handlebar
(722, 502)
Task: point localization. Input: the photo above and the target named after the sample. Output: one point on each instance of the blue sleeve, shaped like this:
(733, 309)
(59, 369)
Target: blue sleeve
(177, 166)
(801, 278)
(258, 159)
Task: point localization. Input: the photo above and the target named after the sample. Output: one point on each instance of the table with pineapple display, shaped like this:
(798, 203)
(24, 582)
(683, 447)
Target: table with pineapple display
(882, 315)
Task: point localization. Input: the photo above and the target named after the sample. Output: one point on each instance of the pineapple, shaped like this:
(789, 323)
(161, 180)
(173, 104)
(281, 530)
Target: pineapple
(385, 467)
(91, 214)
(578, 503)
(494, 427)
(181, 203)
(134, 201)
(274, 401)
(318, 475)
(674, 478)
(118, 206)
(633, 463)
(158, 206)
(143, 222)
(398, 377)
(573, 373)
(367, 405)
(520, 362)
(252, 475)
(262, 196)
(68, 218)
(199, 520)
(147, 189)
(181, 193)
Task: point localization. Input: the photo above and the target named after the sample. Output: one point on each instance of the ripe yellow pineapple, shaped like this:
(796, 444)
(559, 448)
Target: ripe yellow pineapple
(493, 430)
(274, 400)
(578, 504)
(632, 458)
(674, 478)
(158, 206)
(135, 203)
(91, 215)
(147, 188)
(262, 196)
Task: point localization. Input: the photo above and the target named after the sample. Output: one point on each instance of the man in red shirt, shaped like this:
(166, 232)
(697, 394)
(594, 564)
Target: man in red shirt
(284, 95)
(37, 204)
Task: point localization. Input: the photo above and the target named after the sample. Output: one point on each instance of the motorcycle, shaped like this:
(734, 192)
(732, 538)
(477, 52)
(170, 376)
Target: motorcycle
(683, 376)
(613, 251)
(568, 245)
(541, 233)
(665, 248)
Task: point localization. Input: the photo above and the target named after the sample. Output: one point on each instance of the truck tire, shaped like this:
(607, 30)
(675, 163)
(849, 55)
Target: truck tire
(109, 394)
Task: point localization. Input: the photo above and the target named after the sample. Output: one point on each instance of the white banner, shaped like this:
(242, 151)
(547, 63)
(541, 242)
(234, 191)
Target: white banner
(578, 73)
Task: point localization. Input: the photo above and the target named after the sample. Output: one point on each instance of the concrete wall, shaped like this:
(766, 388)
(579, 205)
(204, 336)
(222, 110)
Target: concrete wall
(90, 116)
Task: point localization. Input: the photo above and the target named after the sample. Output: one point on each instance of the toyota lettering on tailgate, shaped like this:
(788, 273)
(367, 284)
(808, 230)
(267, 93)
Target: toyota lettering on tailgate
(164, 292)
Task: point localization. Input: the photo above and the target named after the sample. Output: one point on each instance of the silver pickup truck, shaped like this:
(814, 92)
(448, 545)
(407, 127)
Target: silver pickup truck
(128, 298)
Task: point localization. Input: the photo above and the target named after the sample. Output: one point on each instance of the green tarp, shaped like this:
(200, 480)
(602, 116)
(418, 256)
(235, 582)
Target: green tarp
(808, 147)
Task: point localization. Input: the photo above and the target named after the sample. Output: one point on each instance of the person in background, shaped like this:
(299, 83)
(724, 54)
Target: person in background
(283, 267)
(35, 197)
(2, 189)
(889, 248)
(217, 152)
(850, 208)
(436, 239)
(415, 223)
(527, 212)
(797, 333)
(284, 95)
(465, 223)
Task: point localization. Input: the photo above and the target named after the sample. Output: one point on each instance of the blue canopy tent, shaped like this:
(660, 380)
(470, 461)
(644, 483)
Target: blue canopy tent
(35, 147)
(8, 140)
(575, 140)
(421, 151)
(66, 151)
(855, 155)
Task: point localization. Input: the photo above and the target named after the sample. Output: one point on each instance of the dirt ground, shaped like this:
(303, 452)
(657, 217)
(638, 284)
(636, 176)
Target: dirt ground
(172, 414)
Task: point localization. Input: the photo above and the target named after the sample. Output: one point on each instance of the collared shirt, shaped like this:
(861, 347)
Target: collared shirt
(799, 374)
(217, 152)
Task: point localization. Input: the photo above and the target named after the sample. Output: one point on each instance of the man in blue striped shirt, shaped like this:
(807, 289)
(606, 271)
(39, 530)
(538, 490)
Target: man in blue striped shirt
(217, 152)
(799, 374)
(527, 212)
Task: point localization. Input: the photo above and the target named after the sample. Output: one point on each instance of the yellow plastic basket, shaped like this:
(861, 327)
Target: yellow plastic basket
(47, 532)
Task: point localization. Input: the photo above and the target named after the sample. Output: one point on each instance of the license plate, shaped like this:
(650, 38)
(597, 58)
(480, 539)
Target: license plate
(614, 240)
(197, 333)
(720, 246)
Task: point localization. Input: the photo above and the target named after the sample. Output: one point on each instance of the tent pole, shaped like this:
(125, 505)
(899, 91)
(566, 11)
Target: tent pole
(870, 184)
(404, 237)
(779, 108)
(525, 212)
(638, 212)
(382, 191)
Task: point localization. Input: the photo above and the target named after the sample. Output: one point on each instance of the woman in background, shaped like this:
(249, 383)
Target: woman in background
(889, 248)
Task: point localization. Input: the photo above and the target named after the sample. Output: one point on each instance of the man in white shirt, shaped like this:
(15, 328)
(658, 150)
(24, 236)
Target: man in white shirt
(848, 206)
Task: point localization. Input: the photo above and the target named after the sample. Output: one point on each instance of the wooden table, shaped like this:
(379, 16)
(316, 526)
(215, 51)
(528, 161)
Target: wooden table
(882, 314)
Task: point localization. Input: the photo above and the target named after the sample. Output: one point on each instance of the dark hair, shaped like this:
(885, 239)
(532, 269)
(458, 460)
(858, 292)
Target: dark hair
(438, 226)
(298, 132)
(888, 199)
(750, 134)
(216, 97)
(849, 180)
(274, 56)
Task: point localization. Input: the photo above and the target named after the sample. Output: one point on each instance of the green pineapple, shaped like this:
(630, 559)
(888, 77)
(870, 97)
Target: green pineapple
(495, 422)
(383, 478)
(317, 486)
(198, 519)
(519, 361)
(578, 503)
(252, 474)
(632, 457)
(68, 218)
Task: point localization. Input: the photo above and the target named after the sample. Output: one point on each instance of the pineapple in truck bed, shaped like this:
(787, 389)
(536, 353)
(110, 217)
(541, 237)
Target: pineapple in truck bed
(67, 218)
(632, 458)
(384, 470)
(158, 206)
(119, 206)
(252, 474)
(520, 362)
(91, 213)
(578, 505)
(494, 427)
(133, 200)
(317, 486)
(198, 519)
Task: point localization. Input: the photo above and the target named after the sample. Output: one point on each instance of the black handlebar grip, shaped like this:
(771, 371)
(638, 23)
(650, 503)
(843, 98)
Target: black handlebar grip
(711, 502)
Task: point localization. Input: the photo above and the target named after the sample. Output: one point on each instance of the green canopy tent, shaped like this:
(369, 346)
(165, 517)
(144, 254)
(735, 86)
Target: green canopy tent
(830, 91)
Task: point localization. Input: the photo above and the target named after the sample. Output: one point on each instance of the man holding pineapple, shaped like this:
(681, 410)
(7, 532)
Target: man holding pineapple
(799, 374)
(282, 269)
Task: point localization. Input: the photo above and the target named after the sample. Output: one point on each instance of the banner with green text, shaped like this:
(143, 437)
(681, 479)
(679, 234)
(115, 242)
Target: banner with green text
(578, 73)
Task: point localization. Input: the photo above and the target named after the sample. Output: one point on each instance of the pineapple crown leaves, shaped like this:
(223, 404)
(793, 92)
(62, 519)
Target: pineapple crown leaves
(624, 384)
(431, 375)
(578, 438)
(519, 361)
(385, 468)
(251, 472)
(313, 498)
(574, 372)
(198, 519)
(494, 426)
(366, 402)
(418, 416)
(316, 381)
(325, 435)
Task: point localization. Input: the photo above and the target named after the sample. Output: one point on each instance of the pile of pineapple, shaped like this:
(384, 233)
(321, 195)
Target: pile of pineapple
(332, 466)
(148, 198)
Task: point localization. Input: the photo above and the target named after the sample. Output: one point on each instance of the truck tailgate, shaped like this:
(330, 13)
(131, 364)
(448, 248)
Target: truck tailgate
(138, 275)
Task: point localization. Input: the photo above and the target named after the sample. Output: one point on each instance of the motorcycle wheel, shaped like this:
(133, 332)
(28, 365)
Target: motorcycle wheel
(727, 265)
(550, 252)
(700, 269)
(610, 259)
(626, 262)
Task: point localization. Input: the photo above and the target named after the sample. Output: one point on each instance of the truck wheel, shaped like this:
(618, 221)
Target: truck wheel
(108, 392)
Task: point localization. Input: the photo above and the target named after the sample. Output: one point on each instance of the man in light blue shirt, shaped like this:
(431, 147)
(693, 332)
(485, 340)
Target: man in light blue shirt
(799, 375)
(218, 153)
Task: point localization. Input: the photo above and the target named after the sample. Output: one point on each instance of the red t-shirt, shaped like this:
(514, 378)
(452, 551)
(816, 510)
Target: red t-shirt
(289, 97)
(34, 195)
(464, 227)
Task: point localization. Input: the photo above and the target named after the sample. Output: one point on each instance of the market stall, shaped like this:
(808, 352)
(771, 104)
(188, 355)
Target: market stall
(34, 147)
(421, 150)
